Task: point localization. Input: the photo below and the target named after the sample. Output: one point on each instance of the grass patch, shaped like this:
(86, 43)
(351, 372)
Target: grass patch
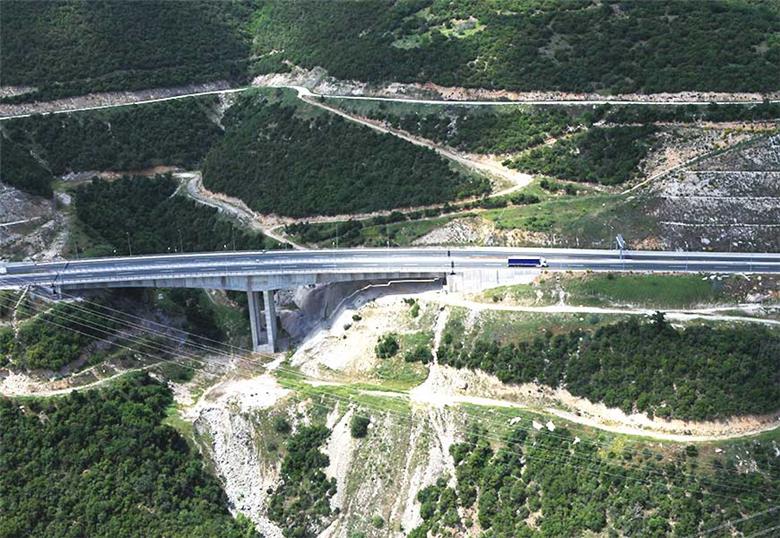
(356, 393)
(512, 327)
(655, 291)
(581, 221)
(620, 289)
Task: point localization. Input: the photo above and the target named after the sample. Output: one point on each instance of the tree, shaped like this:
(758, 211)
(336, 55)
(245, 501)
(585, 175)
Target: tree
(358, 426)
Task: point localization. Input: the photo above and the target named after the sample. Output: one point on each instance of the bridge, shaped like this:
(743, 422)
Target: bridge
(265, 272)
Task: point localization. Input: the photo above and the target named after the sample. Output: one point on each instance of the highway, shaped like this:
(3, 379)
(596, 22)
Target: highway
(362, 263)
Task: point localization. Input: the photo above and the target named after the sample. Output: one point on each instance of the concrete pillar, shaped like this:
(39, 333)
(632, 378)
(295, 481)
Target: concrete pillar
(270, 318)
(263, 324)
(255, 320)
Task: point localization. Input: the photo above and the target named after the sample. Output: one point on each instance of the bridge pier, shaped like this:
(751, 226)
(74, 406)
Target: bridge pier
(262, 324)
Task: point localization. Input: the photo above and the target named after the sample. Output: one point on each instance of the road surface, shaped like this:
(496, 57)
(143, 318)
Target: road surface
(305, 91)
(118, 271)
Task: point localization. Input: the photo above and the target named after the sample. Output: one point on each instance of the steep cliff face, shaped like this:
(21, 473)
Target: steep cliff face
(225, 423)
(377, 476)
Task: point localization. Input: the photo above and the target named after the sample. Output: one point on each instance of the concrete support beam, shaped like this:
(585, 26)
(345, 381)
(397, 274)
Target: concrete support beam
(270, 319)
(255, 320)
(263, 324)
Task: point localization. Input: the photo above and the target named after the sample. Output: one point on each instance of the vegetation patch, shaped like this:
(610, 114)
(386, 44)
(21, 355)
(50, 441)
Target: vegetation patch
(279, 162)
(301, 505)
(558, 484)
(698, 373)
(178, 132)
(659, 291)
(20, 169)
(101, 463)
(55, 337)
(589, 220)
(617, 47)
(77, 46)
(143, 216)
(620, 289)
(606, 155)
(474, 129)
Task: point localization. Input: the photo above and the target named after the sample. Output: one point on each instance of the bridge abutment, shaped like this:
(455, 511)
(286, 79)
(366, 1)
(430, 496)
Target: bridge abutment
(262, 321)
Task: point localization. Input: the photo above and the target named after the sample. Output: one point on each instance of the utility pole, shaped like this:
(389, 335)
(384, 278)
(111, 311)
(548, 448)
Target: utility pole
(181, 243)
(129, 246)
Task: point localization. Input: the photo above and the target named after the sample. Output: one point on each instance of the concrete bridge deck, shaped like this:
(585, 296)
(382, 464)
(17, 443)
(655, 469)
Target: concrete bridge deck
(255, 272)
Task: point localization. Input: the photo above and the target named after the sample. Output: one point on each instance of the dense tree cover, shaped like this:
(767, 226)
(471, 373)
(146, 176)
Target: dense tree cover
(172, 132)
(604, 155)
(54, 338)
(697, 373)
(581, 45)
(280, 162)
(573, 489)
(100, 463)
(688, 113)
(301, 504)
(495, 131)
(143, 215)
(77, 46)
(20, 169)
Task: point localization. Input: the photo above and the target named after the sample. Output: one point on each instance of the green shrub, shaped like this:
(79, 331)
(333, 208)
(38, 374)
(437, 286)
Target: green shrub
(387, 346)
(419, 354)
(358, 426)
(281, 425)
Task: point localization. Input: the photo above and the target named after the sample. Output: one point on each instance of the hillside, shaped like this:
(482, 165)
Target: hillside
(618, 46)
(290, 158)
(106, 477)
(75, 47)
(507, 252)
(176, 133)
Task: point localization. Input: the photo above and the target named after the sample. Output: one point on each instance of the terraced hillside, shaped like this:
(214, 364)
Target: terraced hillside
(730, 201)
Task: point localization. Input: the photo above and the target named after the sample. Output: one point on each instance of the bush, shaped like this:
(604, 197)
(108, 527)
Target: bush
(358, 427)
(609, 156)
(387, 347)
(419, 354)
(281, 425)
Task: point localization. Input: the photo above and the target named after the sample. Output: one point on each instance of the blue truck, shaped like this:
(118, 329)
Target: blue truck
(527, 262)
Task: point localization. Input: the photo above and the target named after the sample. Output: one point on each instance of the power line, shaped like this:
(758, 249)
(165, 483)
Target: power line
(109, 331)
(196, 359)
(732, 522)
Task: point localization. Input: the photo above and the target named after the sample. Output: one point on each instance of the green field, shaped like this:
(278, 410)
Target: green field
(582, 221)
(619, 289)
